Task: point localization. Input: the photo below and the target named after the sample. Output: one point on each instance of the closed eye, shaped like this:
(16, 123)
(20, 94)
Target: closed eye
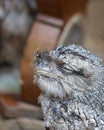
(79, 73)
(67, 68)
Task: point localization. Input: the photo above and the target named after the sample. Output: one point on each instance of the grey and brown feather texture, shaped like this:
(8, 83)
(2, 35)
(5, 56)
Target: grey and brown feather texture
(72, 82)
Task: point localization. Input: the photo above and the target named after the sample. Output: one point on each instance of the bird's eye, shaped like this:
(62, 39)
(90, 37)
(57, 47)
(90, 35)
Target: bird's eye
(67, 68)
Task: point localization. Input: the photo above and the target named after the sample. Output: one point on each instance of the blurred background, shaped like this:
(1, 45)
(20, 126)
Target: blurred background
(28, 25)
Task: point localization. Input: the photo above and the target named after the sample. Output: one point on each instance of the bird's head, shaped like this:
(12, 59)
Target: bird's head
(66, 70)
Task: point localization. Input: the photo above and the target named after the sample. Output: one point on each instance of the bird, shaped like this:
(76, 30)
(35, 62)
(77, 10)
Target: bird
(72, 82)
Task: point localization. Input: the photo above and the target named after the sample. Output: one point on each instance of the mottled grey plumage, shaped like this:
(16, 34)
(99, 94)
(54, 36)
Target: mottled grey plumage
(72, 81)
